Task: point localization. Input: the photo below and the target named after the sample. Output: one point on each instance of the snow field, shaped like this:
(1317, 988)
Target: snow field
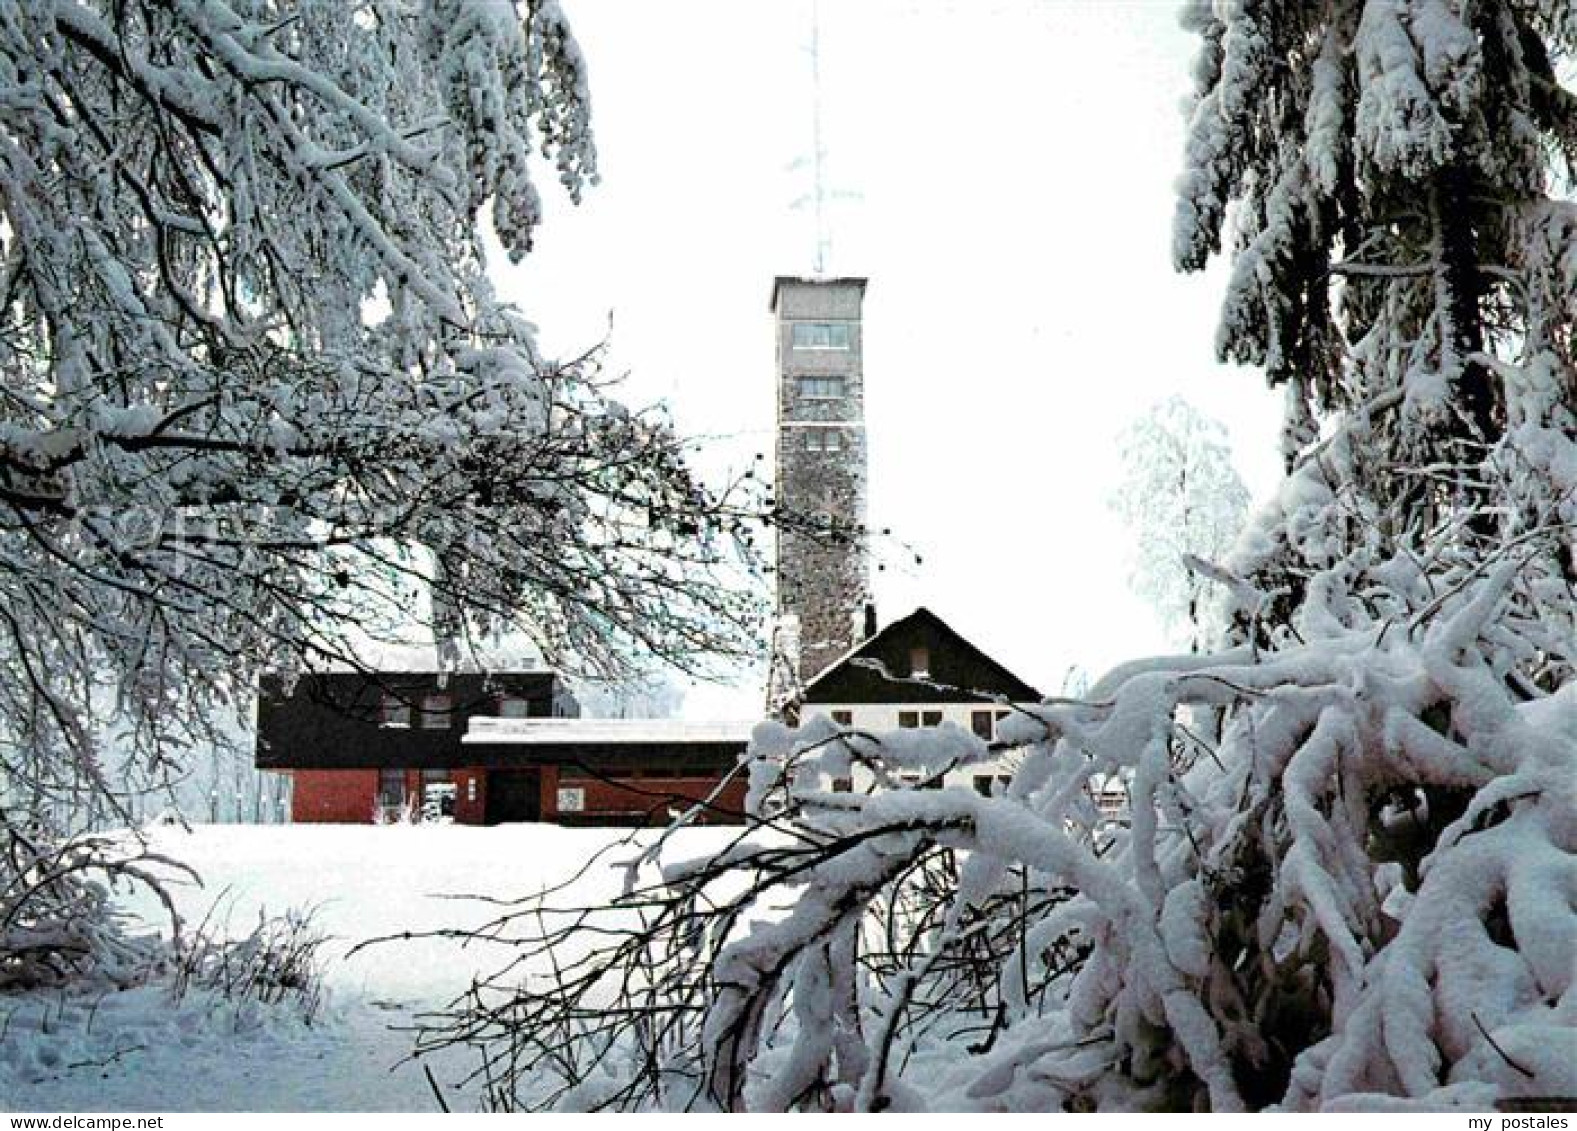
(137, 1050)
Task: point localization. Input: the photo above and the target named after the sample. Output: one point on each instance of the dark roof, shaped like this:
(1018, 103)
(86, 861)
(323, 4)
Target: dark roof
(957, 669)
(333, 720)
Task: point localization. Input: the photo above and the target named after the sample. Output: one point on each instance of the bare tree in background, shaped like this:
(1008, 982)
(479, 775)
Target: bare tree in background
(1185, 504)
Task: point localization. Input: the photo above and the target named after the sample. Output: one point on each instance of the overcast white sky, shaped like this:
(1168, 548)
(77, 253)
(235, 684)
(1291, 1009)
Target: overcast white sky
(1012, 165)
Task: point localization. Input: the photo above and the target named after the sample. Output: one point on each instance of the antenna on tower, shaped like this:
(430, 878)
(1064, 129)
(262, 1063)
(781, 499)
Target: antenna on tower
(819, 197)
(818, 150)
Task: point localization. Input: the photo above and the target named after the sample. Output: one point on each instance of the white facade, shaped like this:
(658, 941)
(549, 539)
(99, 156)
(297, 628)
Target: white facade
(878, 718)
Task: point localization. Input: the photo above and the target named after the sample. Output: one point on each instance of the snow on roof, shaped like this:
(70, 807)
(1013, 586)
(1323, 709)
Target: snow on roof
(513, 653)
(548, 731)
(820, 280)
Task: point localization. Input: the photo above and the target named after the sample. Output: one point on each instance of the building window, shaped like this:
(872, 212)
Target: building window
(821, 388)
(908, 720)
(438, 793)
(920, 662)
(842, 785)
(843, 718)
(983, 723)
(823, 440)
(436, 711)
(394, 712)
(821, 335)
(983, 784)
(513, 707)
(571, 799)
(931, 718)
(391, 789)
(1113, 802)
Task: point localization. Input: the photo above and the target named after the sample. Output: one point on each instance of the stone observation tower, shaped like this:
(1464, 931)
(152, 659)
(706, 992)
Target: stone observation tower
(823, 583)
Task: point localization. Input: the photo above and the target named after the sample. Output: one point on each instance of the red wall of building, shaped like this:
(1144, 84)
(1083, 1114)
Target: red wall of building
(470, 796)
(644, 800)
(333, 796)
(349, 797)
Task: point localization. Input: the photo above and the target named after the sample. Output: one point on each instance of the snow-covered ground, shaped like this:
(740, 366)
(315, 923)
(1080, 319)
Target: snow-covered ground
(138, 1050)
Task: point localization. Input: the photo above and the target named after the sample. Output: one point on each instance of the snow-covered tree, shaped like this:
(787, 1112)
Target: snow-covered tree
(1361, 890)
(259, 399)
(1185, 503)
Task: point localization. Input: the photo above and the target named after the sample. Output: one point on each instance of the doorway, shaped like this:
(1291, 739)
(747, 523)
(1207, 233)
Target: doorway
(514, 795)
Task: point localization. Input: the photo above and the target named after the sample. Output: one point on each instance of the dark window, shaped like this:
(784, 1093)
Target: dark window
(931, 718)
(821, 335)
(395, 712)
(920, 662)
(436, 711)
(391, 788)
(843, 718)
(842, 785)
(982, 724)
(908, 719)
(821, 388)
(983, 784)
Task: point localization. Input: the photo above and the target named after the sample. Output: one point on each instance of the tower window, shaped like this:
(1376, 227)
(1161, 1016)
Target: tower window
(821, 388)
(821, 335)
(823, 440)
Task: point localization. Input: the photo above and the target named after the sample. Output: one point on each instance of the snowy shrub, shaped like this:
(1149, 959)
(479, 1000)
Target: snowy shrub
(58, 925)
(276, 963)
(407, 812)
(1349, 876)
